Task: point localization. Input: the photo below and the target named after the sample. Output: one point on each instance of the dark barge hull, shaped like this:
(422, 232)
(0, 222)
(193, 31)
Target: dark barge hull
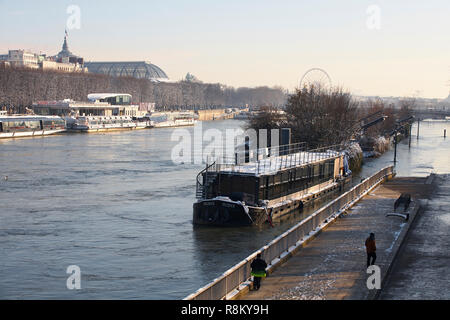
(224, 212)
(221, 212)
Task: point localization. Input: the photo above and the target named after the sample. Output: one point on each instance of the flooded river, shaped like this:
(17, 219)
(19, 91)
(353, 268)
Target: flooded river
(118, 207)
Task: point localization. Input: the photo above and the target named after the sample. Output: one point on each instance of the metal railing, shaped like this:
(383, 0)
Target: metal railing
(269, 160)
(231, 279)
(200, 180)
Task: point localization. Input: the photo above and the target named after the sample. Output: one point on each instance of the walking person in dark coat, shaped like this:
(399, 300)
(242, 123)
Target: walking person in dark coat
(371, 249)
(258, 271)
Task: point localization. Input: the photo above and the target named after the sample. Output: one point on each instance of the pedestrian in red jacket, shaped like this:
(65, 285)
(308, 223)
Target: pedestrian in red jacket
(371, 249)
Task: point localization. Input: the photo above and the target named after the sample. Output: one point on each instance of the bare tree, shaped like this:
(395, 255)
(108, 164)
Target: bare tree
(321, 117)
(22, 87)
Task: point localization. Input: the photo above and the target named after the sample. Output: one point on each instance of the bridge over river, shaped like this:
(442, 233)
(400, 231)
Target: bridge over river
(431, 113)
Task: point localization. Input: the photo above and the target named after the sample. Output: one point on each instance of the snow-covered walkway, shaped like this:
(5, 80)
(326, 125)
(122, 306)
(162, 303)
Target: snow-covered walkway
(333, 266)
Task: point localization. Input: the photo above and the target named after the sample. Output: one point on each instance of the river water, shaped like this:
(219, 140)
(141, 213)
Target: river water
(118, 207)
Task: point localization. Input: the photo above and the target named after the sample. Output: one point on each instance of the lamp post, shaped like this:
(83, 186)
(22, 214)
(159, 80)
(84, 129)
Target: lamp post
(396, 131)
(418, 127)
(395, 149)
(410, 131)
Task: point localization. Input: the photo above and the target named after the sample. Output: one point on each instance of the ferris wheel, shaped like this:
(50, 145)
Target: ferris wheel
(315, 77)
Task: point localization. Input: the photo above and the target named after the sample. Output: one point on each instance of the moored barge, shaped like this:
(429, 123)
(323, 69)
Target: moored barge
(274, 185)
(104, 123)
(18, 126)
(173, 119)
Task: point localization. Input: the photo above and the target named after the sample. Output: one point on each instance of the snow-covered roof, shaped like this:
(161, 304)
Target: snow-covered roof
(28, 118)
(99, 96)
(276, 163)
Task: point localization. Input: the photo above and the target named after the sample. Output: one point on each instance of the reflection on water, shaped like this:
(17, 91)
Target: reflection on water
(119, 208)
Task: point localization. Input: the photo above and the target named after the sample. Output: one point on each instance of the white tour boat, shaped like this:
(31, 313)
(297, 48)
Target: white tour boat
(104, 123)
(173, 119)
(17, 126)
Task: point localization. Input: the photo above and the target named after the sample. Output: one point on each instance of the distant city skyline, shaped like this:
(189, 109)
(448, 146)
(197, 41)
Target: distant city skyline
(370, 48)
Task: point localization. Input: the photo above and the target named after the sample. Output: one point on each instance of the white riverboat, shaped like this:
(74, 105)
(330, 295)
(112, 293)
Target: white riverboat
(18, 126)
(144, 121)
(173, 119)
(104, 123)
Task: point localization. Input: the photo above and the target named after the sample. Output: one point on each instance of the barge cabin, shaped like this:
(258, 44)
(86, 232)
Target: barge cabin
(278, 182)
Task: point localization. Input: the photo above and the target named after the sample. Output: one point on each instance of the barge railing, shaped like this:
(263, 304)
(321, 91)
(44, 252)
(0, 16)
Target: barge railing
(201, 181)
(240, 273)
(277, 158)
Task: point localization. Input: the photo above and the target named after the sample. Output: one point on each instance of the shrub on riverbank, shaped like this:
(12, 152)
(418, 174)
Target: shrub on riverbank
(355, 155)
(374, 146)
(381, 145)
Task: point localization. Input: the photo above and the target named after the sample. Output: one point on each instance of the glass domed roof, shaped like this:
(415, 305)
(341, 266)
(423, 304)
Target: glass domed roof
(139, 69)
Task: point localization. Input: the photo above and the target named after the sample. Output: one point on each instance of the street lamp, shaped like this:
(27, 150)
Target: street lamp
(395, 144)
(396, 132)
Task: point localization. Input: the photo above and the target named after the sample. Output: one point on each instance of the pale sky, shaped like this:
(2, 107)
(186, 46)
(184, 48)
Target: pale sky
(386, 48)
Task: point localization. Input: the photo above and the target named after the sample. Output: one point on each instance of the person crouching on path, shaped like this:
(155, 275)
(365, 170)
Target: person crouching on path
(258, 271)
(371, 248)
